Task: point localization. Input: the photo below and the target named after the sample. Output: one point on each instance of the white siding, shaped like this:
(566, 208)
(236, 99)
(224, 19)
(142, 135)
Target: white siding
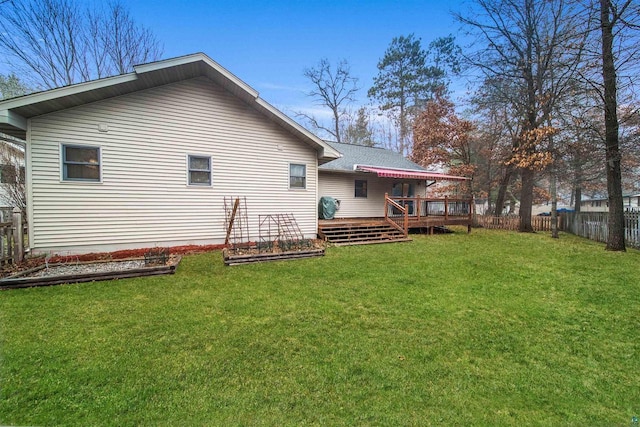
(143, 199)
(342, 187)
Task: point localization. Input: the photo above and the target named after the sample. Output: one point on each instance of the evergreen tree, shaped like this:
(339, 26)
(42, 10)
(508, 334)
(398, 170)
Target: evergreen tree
(406, 81)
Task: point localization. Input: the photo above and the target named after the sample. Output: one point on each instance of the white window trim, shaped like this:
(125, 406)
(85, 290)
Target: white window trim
(79, 181)
(306, 179)
(188, 169)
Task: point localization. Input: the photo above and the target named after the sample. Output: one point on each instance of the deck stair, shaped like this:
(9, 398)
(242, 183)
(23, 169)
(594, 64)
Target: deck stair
(360, 232)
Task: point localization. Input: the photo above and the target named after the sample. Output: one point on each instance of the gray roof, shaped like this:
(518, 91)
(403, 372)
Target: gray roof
(15, 112)
(367, 156)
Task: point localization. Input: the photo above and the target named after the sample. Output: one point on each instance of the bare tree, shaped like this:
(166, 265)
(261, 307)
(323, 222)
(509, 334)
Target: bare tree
(358, 130)
(609, 74)
(57, 42)
(332, 88)
(524, 42)
(12, 178)
(612, 16)
(11, 86)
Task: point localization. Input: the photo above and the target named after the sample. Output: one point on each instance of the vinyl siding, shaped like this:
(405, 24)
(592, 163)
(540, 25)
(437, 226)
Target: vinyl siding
(342, 187)
(143, 199)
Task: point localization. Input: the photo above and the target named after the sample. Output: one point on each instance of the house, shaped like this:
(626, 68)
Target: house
(594, 204)
(362, 176)
(630, 202)
(382, 196)
(146, 158)
(151, 157)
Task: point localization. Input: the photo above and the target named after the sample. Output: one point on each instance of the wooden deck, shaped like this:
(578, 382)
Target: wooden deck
(401, 216)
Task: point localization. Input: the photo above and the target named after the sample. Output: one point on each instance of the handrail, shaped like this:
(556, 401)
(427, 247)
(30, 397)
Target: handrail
(422, 207)
(403, 210)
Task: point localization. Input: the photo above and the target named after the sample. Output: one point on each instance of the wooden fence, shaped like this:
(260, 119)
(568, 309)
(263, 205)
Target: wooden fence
(12, 239)
(512, 222)
(592, 225)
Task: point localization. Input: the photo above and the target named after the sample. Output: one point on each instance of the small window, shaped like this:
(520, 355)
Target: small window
(80, 163)
(361, 188)
(297, 176)
(199, 170)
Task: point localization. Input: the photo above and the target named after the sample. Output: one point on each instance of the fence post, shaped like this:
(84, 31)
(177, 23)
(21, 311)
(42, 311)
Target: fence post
(18, 236)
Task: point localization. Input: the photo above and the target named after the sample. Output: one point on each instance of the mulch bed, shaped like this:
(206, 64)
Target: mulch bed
(41, 271)
(31, 263)
(87, 271)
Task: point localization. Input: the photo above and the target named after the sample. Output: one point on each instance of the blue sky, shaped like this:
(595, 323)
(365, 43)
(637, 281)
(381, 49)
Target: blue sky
(269, 43)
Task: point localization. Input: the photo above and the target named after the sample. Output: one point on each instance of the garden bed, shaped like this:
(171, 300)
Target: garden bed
(76, 272)
(271, 252)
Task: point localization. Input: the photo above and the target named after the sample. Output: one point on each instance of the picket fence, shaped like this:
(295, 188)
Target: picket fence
(512, 222)
(592, 225)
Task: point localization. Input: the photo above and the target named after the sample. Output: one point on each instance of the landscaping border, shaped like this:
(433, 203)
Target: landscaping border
(269, 256)
(22, 279)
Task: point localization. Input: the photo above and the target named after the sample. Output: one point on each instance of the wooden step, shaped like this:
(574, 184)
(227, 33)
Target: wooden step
(367, 232)
(374, 242)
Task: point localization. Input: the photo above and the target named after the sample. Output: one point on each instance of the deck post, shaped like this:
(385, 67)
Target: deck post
(418, 207)
(386, 205)
(406, 222)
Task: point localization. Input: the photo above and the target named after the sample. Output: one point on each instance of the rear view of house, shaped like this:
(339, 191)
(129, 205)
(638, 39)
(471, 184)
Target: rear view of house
(146, 158)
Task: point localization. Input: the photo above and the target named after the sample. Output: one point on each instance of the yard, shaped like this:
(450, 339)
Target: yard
(492, 328)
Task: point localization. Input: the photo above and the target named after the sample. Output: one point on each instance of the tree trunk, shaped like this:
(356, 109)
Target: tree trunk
(554, 188)
(336, 124)
(577, 182)
(615, 242)
(554, 204)
(502, 190)
(526, 200)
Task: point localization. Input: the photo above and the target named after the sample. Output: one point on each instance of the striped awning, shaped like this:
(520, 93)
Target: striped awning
(410, 174)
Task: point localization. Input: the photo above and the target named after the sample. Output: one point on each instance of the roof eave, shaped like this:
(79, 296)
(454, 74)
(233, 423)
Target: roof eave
(325, 151)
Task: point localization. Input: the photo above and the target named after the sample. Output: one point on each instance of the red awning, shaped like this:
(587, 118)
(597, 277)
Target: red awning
(410, 174)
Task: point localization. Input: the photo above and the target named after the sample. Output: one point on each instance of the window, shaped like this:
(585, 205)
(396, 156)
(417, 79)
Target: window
(403, 189)
(297, 176)
(199, 170)
(80, 163)
(361, 188)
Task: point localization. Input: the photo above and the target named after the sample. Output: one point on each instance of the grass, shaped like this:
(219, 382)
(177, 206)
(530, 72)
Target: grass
(492, 328)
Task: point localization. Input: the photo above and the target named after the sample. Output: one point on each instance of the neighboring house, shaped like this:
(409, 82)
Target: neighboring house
(595, 204)
(630, 202)
(362, 176)
(146, 159)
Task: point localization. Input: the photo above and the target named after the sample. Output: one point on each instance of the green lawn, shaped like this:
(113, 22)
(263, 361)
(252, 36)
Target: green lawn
(492, 328)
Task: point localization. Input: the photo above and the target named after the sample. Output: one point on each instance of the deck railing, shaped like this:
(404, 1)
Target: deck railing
(396, 214)
(422, 207)
(403, 212)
